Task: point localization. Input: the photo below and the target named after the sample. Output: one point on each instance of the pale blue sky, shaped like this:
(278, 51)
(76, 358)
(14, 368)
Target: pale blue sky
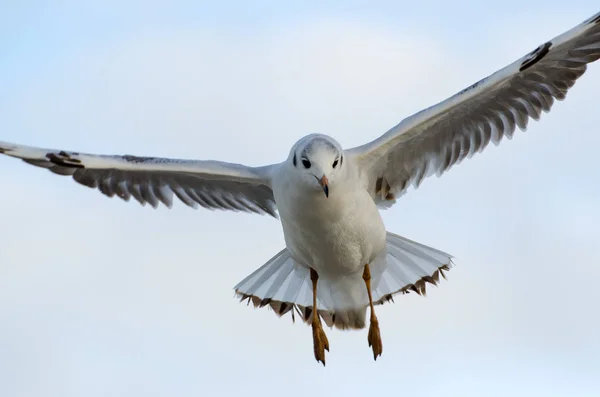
(104, 298)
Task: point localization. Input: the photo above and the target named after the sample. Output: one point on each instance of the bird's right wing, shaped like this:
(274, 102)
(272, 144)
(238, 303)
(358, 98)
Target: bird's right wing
(210, 184)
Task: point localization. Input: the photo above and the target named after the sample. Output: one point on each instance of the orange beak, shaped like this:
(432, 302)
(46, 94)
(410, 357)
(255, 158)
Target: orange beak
(323, 182)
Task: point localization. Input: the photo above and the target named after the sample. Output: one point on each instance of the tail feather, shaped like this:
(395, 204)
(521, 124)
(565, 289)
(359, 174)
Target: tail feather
(408, 266)
(285, 286)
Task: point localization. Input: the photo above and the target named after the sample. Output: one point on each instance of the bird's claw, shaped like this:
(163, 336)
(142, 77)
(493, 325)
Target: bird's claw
(374, 338)
(320, 342)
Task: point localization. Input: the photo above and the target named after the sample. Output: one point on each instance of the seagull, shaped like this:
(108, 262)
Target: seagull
(339, 259)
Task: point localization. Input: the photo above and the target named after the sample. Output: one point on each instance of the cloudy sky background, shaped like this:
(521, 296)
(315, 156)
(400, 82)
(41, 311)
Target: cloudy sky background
(104, 298)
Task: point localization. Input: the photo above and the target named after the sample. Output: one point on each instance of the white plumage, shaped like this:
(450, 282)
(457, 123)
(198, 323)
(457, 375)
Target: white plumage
(328, 199)
(406, 266)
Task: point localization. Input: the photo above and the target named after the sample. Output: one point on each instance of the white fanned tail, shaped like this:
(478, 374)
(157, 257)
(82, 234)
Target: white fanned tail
(286, 287)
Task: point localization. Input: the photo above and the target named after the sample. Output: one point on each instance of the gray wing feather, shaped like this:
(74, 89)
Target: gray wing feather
(431, 141)
(152, 180)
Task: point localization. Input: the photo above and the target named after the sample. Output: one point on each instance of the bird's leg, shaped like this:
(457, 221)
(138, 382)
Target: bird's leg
(320, 341)
(374, 337)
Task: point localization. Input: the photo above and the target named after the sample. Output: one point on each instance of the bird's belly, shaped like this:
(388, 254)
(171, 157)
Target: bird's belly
(334, 236)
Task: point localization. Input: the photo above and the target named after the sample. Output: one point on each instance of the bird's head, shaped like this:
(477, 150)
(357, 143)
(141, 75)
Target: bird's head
(317, 160)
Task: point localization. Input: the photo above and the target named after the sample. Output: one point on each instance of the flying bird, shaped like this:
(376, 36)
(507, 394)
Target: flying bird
(339, 259)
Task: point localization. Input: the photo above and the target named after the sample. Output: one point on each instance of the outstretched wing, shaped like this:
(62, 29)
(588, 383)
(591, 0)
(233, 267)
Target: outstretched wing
(210, 184)
(438, 137)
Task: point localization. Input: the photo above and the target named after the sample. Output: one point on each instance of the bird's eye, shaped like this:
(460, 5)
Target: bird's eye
(335, 163)
(306, 163)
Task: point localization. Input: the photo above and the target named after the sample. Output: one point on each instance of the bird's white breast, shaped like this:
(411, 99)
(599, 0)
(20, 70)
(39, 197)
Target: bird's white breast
(336, 235)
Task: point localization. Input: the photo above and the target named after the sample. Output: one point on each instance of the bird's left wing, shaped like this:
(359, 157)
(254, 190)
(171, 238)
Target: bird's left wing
(438, 137)
(210, 184)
